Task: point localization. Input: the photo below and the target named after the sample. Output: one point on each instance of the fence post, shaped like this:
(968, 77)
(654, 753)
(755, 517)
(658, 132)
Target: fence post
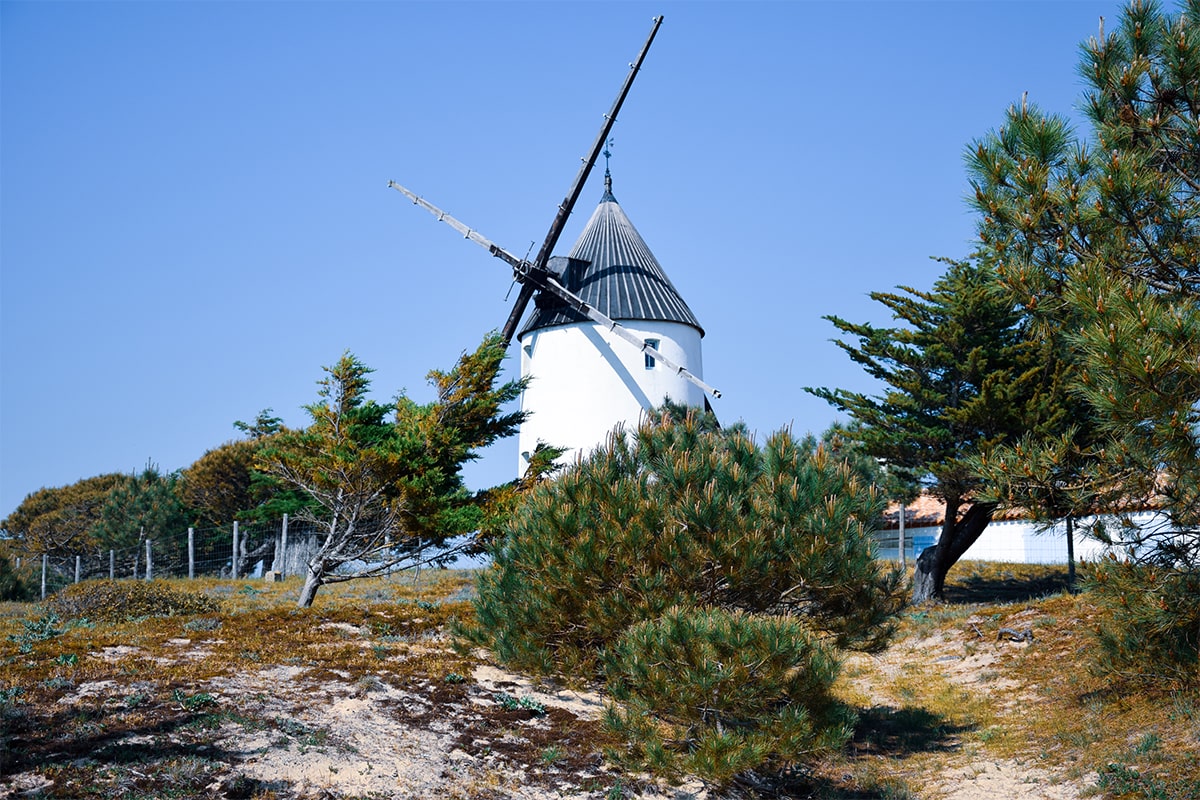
(44, 559)
(112, 565)
(283, 549)
(191, 553)
(235, 550)
(149, 563)
(903, 555)
(1071, 554)
(77, 569)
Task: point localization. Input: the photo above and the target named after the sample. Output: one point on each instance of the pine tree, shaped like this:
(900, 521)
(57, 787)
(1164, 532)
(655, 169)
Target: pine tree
(961, 376)
(693, 547)
(143, 507)
(747, 692)
(12, 588)
(1100, 243)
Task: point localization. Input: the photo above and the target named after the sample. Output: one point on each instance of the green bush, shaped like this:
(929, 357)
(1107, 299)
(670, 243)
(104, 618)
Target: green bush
(716, 693)
(12, 586)
(683, 516)
(116, 601)
(1149, 629)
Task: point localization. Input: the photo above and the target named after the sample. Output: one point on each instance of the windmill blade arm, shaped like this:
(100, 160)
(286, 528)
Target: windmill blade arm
(518, 311)
(520, 266)
(568, 204)
(576, 302)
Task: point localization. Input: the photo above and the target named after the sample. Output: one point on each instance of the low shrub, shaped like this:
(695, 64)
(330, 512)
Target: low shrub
(715, 693)
(116, 601)
(682, 514)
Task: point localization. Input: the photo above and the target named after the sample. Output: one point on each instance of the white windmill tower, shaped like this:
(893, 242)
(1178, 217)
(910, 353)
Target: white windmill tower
(585, 377)
(610, 337)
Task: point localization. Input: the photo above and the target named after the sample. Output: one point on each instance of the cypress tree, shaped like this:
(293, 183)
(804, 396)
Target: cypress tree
(960, 376)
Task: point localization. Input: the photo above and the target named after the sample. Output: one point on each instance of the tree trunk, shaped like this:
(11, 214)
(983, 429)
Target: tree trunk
(929, 576)
(312, 581)
(319, 566)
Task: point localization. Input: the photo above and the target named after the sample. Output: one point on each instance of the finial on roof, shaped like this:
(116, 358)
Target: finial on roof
(608, 195)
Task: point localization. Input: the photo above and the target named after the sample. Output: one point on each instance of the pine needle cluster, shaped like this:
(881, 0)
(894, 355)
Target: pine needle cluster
(1149, 628)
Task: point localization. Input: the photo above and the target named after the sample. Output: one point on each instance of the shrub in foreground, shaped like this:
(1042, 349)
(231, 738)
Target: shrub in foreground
(684, 517)
(716, 693)
(116, 601)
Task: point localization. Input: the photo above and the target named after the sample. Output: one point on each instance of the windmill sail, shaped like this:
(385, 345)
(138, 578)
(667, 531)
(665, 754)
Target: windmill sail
(568, 204)
(545, 280)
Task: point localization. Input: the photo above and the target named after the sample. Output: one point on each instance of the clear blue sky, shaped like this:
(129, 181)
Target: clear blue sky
(195, 215)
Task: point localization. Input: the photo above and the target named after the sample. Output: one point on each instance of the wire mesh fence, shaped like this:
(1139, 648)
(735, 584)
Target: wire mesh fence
(283, 547)
(240, 550)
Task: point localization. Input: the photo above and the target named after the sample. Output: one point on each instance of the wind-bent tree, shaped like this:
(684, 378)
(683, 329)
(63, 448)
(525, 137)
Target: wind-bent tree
(960, 376)
(385, 480)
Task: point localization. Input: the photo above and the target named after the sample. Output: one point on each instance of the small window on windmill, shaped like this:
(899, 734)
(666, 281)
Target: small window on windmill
(649, 358)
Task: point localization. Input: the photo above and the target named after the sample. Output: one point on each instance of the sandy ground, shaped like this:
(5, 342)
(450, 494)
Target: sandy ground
(963, 774)
(358, 737)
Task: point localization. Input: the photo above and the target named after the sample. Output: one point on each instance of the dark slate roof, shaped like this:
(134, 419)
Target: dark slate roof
(613, 270)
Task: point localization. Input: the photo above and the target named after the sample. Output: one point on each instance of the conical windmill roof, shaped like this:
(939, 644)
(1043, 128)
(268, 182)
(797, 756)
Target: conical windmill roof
(613, 271)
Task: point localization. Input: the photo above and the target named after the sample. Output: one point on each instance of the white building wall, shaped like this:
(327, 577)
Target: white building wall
(585, 381)
(1012, 541)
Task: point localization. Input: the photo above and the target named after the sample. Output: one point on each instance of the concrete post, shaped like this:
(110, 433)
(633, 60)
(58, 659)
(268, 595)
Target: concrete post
(282, 560)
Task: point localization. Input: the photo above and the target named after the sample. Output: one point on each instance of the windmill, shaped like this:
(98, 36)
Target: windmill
(591, 371)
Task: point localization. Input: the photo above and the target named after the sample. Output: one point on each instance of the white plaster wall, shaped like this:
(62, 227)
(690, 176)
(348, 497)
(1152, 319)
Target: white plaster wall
(585, 380)
(1014, 541)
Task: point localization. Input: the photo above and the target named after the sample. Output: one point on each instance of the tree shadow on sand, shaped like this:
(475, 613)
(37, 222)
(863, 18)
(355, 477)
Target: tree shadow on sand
(1005, 586)
(883, 732)
(901, 732)
(164, 752)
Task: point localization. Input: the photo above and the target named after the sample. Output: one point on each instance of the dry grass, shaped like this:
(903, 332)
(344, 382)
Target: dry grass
(240, 702)
(1001, 674)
